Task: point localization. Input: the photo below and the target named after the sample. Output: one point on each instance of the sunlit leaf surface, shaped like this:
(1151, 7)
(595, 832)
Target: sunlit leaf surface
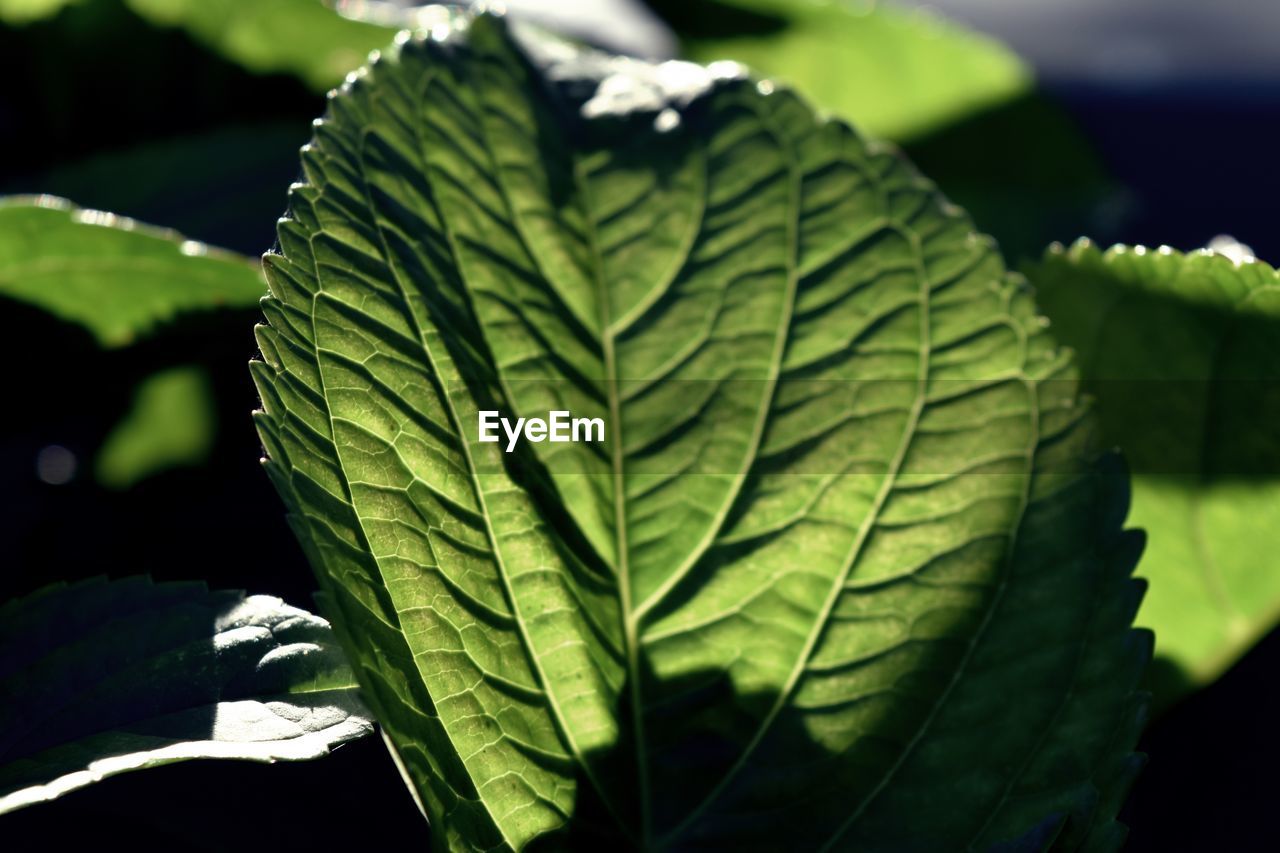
(171, 423)
(843, 573)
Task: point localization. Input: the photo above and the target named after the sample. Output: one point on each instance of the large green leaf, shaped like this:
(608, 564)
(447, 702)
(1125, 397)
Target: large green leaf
(1183, 354)
(99, 678)
(842, 574)
(115, 277)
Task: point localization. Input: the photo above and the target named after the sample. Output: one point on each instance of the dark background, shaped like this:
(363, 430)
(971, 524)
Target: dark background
(1188, 159)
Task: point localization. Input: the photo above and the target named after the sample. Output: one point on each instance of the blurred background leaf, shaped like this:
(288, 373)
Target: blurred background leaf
(896, 73)
(117, 278)
(170, 423)
(1182, 353)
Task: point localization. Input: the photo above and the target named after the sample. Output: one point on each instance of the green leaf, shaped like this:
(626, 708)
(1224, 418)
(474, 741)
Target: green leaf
(1183, 354)
(842, 574)
(25, 11)
(171, 423)
(103, 677)
(117, 278)
(320, 47)
(898, 73)
(305, 38)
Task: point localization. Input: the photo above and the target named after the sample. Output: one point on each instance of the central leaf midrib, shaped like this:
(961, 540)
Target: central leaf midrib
(617, 464)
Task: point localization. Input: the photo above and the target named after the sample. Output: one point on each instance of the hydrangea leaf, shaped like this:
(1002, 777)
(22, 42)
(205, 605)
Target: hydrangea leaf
(103, 677)
(844, 573)
(117, 278)
(1183, 353)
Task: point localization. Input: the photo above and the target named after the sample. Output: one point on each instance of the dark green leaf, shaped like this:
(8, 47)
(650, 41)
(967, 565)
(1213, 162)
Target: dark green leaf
(99, 678)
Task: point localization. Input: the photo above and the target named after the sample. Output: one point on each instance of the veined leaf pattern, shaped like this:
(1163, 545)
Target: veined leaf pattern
(843, 574)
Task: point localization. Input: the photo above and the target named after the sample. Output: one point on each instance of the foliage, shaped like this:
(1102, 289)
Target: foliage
(847, 570)
(846, 504)
(902, 73)
(1182, 354)
(99, 678)
(114, 277)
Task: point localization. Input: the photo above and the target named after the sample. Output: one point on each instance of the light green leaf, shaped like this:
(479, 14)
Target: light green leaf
(171, 423)
(103, 677)
(305, 38)
(320, 48)
(117, 278)
(960, 103)
(897, 73)
(25, 11)
(1183, 354)
(842, 574)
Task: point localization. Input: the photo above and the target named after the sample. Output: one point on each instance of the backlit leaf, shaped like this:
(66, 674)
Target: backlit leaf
(843, 573)
(117, 278)
(1183, 354)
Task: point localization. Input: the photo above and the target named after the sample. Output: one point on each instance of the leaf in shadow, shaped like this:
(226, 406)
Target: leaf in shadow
(102, 677)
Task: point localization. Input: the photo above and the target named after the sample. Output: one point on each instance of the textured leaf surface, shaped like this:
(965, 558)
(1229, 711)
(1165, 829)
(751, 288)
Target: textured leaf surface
(897, 73)
(102, 677)
(842, 574)
(171, 423)
(115, 277)
(1183, 354)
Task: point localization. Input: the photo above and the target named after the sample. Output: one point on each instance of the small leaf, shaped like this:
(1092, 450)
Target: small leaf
(115, 277)
(843, 573)
(171, 423)
(102, 677)
(1183, 354)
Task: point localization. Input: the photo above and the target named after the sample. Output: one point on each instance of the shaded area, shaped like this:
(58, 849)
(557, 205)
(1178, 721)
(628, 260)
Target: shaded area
(1209, 782)
(1026, 174)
